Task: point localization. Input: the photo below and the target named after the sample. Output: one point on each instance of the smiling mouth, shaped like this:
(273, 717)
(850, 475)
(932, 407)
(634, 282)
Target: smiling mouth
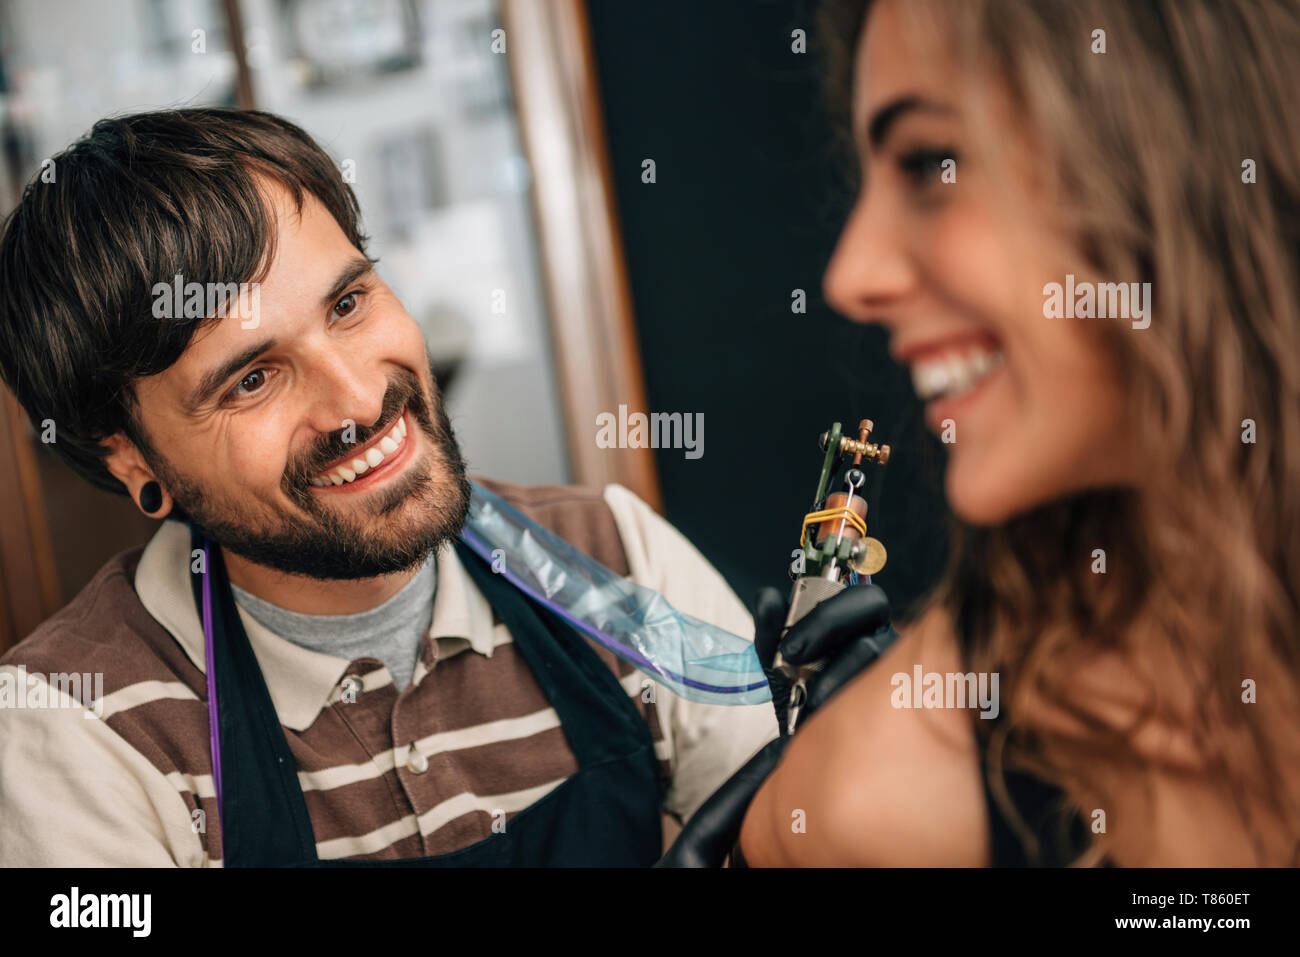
(954, 373)
(370, 458)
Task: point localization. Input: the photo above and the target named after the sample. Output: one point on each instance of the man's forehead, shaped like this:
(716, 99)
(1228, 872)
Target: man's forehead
(303, 240)
(312, 255)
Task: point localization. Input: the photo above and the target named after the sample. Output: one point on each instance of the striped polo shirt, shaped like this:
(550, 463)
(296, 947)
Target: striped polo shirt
(116, 769)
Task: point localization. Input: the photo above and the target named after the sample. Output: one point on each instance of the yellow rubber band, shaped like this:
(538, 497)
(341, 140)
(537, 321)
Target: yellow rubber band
(830, 514)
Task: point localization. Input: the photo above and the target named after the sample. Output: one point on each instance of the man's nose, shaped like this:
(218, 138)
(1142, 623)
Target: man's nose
(870, 269)
(344, 390)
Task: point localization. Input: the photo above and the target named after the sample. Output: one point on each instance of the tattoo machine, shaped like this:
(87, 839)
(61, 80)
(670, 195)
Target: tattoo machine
(834, 548)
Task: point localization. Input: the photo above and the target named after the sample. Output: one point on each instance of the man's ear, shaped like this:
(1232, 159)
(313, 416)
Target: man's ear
(125, 463)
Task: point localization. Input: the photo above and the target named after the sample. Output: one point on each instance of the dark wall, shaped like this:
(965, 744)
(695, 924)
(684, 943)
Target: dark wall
(747, 206)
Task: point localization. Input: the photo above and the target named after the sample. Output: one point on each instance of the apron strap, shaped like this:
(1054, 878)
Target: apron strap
(264, 819)
(259, 779)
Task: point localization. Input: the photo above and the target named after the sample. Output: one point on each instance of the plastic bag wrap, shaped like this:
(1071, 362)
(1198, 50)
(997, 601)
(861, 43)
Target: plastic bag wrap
(697, 660)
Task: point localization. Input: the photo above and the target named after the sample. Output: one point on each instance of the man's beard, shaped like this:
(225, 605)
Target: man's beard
(326, 543)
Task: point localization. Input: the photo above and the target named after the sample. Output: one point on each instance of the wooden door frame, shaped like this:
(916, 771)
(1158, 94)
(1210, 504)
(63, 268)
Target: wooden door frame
(29, 586)
(596, 351)
(29, 589)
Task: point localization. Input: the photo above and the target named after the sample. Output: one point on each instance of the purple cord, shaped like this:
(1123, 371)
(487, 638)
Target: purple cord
(474, 542)
(214, 736)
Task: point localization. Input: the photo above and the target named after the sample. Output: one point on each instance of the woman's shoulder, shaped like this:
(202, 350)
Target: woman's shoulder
(881, 776)
(892, 772)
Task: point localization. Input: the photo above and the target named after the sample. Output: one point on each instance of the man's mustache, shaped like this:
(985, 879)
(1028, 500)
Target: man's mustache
(404, 392)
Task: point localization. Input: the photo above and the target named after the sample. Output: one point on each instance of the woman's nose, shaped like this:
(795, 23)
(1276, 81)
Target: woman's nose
(870, 268)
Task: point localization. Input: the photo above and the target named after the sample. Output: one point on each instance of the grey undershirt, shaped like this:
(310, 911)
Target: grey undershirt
(390, 632)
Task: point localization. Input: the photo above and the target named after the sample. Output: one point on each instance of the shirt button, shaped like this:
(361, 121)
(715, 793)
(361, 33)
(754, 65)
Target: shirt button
(416, 761)
(351, 687)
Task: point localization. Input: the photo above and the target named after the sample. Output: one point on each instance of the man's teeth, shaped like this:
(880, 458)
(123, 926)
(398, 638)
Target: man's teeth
(953, 374)
(348, 471)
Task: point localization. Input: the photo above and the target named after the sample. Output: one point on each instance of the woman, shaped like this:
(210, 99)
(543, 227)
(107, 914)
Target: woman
(1128, 563)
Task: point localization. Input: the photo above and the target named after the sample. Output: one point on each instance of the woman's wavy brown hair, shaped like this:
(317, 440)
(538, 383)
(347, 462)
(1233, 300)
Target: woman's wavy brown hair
(1150, 143)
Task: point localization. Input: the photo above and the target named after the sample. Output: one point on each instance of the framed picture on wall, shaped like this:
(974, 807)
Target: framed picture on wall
(342, 40)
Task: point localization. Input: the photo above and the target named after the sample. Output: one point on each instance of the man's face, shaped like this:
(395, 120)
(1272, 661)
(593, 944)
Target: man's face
(251, 426)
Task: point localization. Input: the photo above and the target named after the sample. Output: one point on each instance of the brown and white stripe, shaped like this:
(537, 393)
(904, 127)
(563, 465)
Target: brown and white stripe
(384, 776)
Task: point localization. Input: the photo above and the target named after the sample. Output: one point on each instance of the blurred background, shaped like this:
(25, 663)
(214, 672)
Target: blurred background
(499, 151)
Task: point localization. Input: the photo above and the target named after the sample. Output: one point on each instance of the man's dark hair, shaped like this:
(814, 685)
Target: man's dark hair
(137, 201)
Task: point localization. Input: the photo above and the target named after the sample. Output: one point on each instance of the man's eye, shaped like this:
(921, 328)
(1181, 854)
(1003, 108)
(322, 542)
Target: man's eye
(925, 166)
(249, 383)
(347, 304)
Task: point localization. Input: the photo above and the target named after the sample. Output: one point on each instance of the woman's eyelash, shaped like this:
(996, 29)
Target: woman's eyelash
(922, 165)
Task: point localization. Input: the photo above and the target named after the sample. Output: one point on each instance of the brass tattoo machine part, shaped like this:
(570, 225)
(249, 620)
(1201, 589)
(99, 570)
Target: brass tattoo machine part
(834, 548)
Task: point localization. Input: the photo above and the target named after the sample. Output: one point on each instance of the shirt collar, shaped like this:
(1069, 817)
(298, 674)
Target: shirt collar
(299, 680)
(462, 616)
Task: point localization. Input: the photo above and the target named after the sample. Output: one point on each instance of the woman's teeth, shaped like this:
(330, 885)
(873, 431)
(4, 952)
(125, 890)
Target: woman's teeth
(348, 471)
(952, 375)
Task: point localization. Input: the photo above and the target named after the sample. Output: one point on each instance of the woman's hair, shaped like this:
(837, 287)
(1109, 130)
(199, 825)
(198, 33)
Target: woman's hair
(1175, 151)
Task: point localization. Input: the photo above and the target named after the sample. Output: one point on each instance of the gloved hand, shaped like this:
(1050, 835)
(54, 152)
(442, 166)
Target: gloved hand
(848, 631)
(714, 829)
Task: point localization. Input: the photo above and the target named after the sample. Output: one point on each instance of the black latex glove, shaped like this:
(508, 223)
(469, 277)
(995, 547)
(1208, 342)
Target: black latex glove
(848, 631)
(714, 829)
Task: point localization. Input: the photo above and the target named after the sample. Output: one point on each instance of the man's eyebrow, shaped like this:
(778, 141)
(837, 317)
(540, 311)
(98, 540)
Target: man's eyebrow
(352, 270)
(215, 378)
(889, 114)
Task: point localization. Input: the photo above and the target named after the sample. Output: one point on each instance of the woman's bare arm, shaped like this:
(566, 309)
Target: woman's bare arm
(864, 783)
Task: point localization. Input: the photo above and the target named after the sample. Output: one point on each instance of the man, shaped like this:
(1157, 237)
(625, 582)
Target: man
(369, 688)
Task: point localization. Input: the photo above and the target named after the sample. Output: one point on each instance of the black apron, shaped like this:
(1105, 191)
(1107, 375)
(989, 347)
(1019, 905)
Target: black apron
(606, 814)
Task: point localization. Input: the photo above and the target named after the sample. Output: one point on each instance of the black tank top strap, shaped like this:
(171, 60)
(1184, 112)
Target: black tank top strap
(1054, 834)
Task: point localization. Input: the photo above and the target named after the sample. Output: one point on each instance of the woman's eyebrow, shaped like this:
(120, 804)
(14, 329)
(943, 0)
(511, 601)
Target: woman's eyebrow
(884, 118)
